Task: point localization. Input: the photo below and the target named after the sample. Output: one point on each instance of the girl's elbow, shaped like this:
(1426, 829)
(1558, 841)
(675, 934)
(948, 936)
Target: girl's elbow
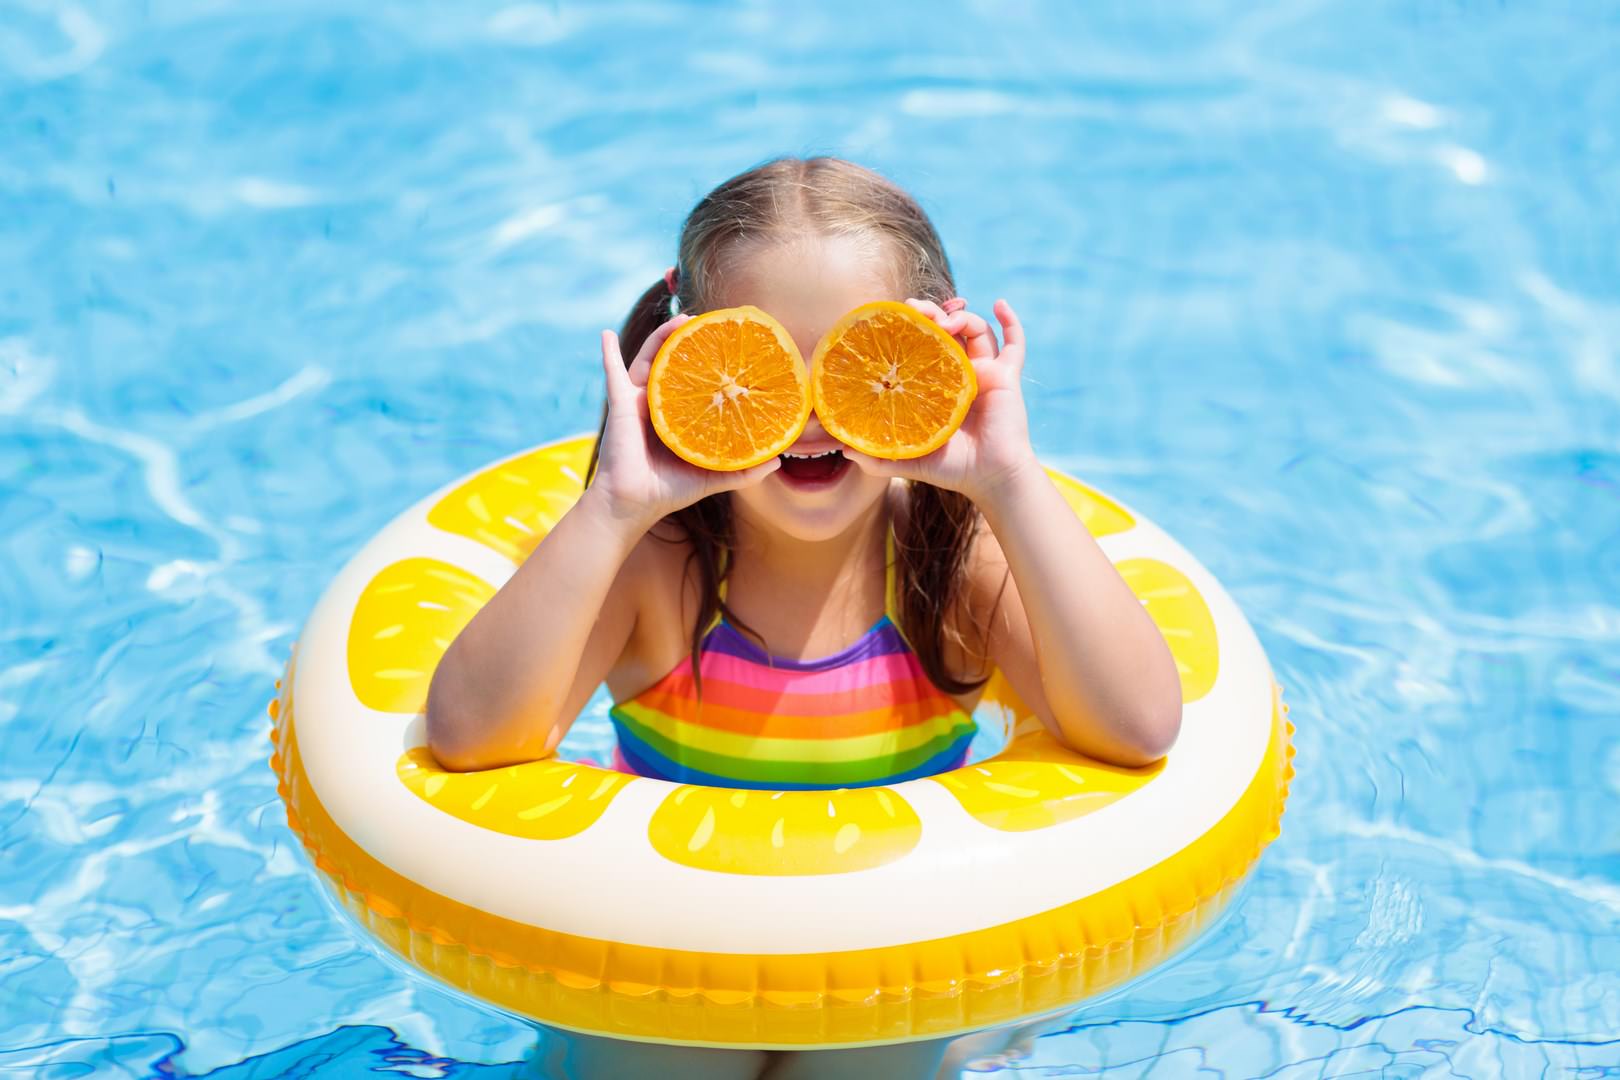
(1139, 735)
(1152, 730)
(1157, 722)
(446, 721)
(469, 735)
(451, 759)
(442, 744)
(1159, 728)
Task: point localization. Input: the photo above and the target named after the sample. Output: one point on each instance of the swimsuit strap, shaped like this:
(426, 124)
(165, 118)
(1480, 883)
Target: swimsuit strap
(718, 616)
(891, 587)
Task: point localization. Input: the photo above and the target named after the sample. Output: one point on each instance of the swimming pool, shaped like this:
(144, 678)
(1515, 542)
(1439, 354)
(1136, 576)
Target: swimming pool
(1330, 290)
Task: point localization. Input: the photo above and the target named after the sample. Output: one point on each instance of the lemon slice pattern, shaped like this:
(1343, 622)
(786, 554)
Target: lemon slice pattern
(1099, 514)
(403, 622)
(1036, 783)
(784, 832)
(537, 800)
(511, 506)
(1182, 617)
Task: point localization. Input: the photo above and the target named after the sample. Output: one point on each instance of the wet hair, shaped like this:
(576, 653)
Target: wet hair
(782, 200)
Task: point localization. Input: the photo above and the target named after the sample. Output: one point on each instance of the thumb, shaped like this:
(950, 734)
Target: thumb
(873, 466)
(731, 481)
(619, 389)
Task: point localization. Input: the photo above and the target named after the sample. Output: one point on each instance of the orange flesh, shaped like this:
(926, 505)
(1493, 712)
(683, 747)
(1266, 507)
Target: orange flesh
(889, 382)
(728, 390)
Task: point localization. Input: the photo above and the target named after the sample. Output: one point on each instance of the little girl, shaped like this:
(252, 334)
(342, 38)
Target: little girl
(825, 619)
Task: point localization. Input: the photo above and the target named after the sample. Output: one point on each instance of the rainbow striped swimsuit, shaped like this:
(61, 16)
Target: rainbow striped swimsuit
(865, 715)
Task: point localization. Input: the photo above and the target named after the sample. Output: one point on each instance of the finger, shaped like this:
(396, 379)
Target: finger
(977, 338)
(989, 374)
(973, 324)
(1012, 331)
(641, 366)
(954, 320)
(927, 307)
(618, 382)
(873, 466)
(731, 481)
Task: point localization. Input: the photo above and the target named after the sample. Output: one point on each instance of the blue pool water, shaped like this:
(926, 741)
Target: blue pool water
(1330, 289)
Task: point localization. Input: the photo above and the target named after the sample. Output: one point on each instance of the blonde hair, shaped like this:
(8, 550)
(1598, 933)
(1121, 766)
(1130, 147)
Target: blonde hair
(787, 197)
(779, 201)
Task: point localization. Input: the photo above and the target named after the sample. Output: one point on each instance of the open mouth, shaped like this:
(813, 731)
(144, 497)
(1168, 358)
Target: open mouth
(817, 468)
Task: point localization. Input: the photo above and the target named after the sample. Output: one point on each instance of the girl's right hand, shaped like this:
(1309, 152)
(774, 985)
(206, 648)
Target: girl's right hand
(638, 477)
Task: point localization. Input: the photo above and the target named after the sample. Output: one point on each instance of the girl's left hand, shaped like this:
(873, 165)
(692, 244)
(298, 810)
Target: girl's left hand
(993, 441)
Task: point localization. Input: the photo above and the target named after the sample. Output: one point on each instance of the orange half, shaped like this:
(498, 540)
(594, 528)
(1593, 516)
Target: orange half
(728, 389)
(888, 381)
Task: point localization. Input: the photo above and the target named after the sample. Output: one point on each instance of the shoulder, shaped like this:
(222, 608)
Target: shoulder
(985, 570)
(660, 572)
(661, 550)
(659, 582)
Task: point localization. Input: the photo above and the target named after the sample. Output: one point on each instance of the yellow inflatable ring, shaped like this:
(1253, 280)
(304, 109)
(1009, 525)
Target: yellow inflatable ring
(1011, 888)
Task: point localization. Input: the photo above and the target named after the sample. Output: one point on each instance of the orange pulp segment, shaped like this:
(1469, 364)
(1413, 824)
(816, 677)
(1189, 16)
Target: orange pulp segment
(728, 389)
(888, 381)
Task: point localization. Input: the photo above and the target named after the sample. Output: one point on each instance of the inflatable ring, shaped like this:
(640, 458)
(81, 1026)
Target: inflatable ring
(1014, 887)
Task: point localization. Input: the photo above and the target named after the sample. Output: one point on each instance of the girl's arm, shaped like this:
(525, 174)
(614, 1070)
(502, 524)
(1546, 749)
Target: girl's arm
(1068, 633)
(512, 682)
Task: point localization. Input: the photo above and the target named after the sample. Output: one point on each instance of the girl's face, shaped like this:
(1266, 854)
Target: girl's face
(807, 285)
